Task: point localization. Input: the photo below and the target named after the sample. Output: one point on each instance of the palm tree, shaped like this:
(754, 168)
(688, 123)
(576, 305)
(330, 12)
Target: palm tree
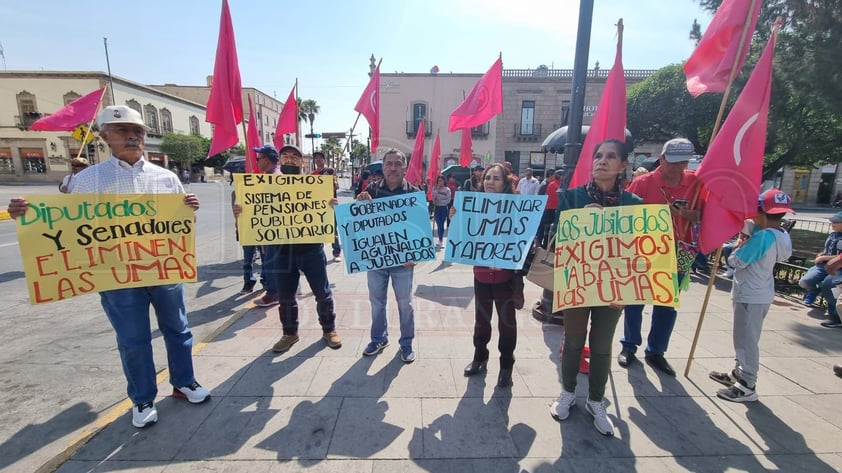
(307, 111)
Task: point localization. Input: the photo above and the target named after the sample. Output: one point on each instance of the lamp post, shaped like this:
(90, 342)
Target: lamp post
(312, 116)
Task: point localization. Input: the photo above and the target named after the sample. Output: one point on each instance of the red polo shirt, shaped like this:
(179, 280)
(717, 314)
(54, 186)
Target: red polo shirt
(653, 190)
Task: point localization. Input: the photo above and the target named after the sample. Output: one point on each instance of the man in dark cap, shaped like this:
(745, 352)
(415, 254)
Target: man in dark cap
(307, 258)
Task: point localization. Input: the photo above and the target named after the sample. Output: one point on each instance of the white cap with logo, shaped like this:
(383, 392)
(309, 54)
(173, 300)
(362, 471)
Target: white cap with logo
(678, 150)
(120, 114)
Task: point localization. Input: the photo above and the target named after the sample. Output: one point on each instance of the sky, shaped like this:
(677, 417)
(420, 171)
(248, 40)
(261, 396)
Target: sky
(327, 45)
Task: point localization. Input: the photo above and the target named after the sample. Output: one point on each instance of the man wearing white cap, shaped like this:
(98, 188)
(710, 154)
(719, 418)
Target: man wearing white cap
(128, 172)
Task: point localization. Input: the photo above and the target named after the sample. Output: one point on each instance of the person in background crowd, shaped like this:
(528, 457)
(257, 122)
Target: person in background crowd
(605, 190)
(76, 165)
(529, 184)
(128, 172)
(441, 199)
(818, 280)
(474, 183)
(319, 169)
(493, 288)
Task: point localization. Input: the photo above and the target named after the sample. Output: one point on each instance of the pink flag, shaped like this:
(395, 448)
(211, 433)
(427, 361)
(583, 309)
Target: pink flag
(252, 141)
(609, 120)
(288, 121)
(733, 165)
(369, 106)
(466, 153)
(483, 103)
(81, 110)
(225, 104)
(709, 67)
(435, 167)
(415, 169)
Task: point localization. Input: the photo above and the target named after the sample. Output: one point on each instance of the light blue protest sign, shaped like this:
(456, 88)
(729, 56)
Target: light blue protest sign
(387, 232)
(493, 230)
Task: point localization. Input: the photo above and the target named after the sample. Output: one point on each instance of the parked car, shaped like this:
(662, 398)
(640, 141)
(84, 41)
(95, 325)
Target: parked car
(461, 173)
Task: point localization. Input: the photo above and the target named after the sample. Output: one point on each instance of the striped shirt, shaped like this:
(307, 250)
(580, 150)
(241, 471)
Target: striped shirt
(119, 177)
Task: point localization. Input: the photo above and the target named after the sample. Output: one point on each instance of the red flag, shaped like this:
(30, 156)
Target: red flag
(369, 106)
(733, 166)
(483, 103)
(252, 141)
(81, 110)
(435, 167)
(466, 154)
(709, 67)
(288, 121)
(610, 118)
(415, 169)
(225, 104)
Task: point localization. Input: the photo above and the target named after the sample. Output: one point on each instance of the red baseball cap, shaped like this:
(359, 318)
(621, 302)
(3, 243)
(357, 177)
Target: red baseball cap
(774, 201)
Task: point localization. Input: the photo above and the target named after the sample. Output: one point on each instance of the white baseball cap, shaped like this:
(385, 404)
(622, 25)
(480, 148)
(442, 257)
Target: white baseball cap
(120, 114)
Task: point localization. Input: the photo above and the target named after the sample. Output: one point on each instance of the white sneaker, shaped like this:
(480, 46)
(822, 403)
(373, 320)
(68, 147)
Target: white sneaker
(144, 415)
(560, 409)
(729, 273)
(194, 393)
(600, 418)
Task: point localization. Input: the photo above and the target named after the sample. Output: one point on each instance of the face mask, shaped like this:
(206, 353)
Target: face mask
(290, 169)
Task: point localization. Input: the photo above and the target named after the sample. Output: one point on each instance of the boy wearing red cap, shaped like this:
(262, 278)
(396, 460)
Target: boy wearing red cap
(753, 292)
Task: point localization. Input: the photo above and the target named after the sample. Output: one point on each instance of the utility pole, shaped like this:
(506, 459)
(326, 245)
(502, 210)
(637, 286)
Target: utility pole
(108, 64)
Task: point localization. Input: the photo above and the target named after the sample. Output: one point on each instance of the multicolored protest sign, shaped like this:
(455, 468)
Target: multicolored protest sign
(615, 255)
(284, 208)
(387, 232)
(493, 230)
(75, 244)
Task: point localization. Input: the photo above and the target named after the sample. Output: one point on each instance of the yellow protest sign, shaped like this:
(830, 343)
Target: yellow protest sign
(284, 208)
(83, 134)
(75, 244)
(615, 255)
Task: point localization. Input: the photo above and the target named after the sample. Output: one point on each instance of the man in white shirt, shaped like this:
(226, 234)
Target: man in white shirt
(128, 172)
(529, 184)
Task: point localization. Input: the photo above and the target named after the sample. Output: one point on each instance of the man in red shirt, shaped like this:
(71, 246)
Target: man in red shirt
(672, 184)
(553, 182)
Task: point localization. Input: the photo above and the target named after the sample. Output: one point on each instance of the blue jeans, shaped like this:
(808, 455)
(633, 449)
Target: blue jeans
(270, 270)
(314, 266)
(441, 216)
(663, 321)
(128, 312)
(248, 264)
(378, 285)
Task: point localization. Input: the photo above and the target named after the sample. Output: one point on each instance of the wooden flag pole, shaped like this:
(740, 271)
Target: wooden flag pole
(716, 125)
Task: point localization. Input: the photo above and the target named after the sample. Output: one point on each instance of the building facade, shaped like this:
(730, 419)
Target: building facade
(40, 156)
(267, 108)
(535, 103)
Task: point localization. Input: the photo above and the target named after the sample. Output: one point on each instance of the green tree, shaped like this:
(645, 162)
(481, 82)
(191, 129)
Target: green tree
(805, 113)
(307, 111)
(185, 149)
(660, 108)
(358, 151)
(332, 148)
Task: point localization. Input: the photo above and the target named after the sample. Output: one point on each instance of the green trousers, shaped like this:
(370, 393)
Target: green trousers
(603, 323)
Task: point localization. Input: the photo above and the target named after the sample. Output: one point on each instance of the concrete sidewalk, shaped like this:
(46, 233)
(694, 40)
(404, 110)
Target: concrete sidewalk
(317, 409)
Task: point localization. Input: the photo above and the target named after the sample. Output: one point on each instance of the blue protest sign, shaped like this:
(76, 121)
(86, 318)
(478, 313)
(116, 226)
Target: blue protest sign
(382, 233)
(493, 230)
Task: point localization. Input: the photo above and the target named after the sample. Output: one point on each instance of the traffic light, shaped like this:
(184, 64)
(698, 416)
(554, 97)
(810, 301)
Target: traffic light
(313, 135)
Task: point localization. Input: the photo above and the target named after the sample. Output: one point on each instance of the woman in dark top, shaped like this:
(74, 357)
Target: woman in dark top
(606, 189)
(493, 288)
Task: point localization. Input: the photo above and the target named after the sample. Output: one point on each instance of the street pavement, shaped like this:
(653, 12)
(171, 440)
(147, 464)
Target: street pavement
(317, 409)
